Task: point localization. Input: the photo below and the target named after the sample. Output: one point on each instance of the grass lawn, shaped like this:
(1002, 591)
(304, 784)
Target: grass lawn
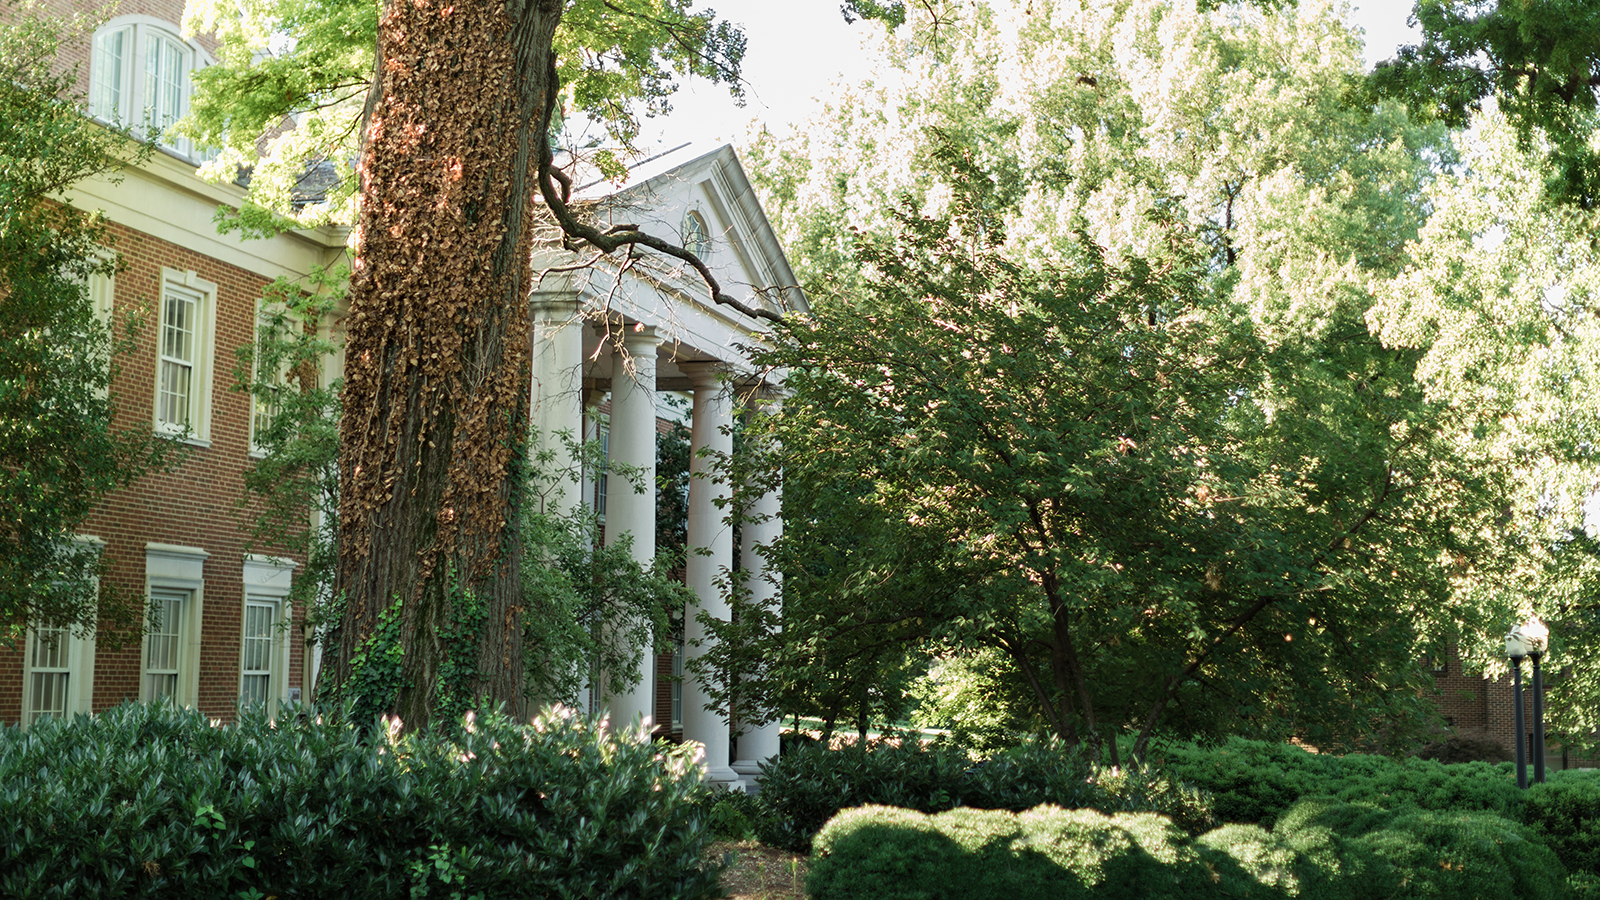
(760, 872)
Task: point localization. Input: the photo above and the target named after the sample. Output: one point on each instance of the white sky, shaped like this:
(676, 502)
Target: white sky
(797, 48)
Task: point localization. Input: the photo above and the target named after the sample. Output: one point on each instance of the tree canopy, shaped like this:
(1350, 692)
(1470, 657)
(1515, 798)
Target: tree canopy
(1538, 61)
(1092, 289)
(60, 449)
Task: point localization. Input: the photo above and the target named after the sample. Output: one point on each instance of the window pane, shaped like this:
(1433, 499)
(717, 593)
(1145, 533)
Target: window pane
(163, 643)
(256, 652)
(49, 673)
(180, 317)
(105, 92)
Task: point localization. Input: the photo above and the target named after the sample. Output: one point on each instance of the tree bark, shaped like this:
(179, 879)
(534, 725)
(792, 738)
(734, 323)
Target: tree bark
(433, 437)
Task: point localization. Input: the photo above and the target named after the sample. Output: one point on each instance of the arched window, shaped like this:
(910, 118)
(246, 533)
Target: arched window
(139, 76)
(696, 237)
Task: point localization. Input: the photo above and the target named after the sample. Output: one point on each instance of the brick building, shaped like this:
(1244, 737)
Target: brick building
(1482, 705)
(221, 633)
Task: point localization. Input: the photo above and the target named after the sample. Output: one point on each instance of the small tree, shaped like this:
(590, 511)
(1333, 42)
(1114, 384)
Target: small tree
(60, 451)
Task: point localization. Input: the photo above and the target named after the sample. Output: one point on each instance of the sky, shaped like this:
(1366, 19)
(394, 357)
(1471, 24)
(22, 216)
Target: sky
(797, 48)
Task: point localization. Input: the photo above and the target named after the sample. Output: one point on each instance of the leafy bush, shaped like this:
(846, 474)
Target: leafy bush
(1255, 781)
(1321, 850)
(1439, 854)
(884, 853)
(1565, 814)
(804, 789)
(153, 801)
(731, 815)
(1460, 748)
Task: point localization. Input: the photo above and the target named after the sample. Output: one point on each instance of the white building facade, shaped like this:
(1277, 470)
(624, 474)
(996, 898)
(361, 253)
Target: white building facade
(625, 331)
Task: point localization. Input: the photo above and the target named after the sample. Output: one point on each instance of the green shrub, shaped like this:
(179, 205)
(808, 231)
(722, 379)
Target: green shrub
(880, 853)
(1256, 781)
(1565, 814)
(1460, 748)
(731, 815)
(1459, 854)
(804, 789)
(1049, 853)
(153, 801)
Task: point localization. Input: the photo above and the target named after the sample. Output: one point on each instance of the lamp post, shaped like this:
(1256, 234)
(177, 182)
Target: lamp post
(1538, 637)
(1516, 649)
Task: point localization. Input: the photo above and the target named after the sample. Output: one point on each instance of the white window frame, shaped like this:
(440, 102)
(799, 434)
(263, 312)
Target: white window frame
(696, 234)
(176, 284)
(78, 664)
(122, 91)
(267, 580)
(180, 570)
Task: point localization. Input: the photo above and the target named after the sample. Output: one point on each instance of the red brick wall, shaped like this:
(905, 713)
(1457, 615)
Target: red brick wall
(196, 504)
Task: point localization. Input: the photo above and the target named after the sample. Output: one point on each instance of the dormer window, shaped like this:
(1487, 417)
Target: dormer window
(696, 237)
(139, 76)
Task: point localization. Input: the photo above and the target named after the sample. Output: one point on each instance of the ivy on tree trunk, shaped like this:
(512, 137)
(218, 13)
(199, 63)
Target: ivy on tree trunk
(436, 394)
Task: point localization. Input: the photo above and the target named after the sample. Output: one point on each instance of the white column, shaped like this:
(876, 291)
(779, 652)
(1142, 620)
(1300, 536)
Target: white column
(710, 428)
(557, 402)
(628, 510)
(758, 743)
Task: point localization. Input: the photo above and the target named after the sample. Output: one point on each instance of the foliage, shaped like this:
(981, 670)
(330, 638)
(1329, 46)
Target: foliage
(1090, 360)
(292, 491)
(1501, 300)
(1565, 814)
(1255, 781)
(887, 853)
(1539, 63)
(1442, 854)
(1458, 748)
(61, 450)
(806, 786)
(978, 698)
(153, 801)
(592, 610)
(312, 61)
(1319, 852)
(588, 609)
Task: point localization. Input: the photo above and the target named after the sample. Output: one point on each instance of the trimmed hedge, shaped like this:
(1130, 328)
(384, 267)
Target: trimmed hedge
(1321, 850)
(1256, 781)
(807, 786)
(154, 801)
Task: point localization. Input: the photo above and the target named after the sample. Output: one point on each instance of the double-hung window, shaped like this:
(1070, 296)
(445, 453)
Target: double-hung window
(255, 653)
(164, 642)
(170, 656)
(184, 350)
(263, 642)
(58, 674)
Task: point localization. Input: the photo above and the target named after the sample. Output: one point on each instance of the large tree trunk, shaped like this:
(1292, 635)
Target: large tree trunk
(436, 373)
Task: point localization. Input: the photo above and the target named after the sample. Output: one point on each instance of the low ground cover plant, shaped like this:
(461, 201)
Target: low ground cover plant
(155, 801)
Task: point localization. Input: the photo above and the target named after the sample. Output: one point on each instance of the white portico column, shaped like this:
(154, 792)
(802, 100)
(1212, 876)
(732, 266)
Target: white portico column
(710, 429)
(629, 511)
(759, 743)
(557, 401)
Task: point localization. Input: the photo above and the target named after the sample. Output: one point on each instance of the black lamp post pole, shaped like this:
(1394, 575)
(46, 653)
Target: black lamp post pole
(1538, 721)
(1521, 733)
